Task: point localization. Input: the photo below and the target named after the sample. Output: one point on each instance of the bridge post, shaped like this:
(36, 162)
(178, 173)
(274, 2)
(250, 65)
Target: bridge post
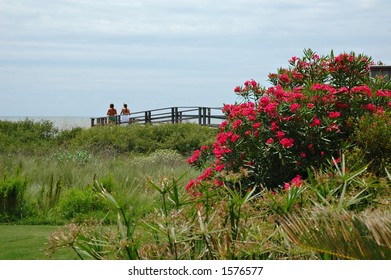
(92, 122)
(148, 117)
(174, 115)
(199, 115)
(209, 116)
(204, 116)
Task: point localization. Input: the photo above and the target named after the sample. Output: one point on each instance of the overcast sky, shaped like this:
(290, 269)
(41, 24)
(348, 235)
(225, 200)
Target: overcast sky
(74, 57)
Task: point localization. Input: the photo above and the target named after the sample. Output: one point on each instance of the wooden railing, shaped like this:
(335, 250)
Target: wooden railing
(207, 116)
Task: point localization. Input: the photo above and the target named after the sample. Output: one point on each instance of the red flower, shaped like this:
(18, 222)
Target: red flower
(294, 107)
(287, 186)
(381, 93)
(333, 115)
(234, 138)
(251, 82)
(219, 167)
(280, 134)
(297, 75)
(269, 141)
(206, 174)
(274, 126)
(223, 125)
(194, 157)
(336, 161)
(256, 125)
(297, 181)
(237, 123)
(362, 89)
(271, 109)
(370, 107)
(191, 184)
(315, 122)
(238, 89)
(218, 183)
(287, 142)
(264, 101)
(284, 78)
(293, 59)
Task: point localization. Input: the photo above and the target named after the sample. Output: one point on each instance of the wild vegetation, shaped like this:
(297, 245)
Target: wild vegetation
(300, 170)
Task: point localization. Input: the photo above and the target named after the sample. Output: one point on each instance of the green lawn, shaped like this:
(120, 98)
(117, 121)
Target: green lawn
(28, 242)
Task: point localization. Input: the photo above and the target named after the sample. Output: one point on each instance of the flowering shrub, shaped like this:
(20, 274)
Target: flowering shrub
(308, 115)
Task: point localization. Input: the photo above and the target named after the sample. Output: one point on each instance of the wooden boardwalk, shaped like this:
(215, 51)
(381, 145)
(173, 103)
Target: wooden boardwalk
(206, 116)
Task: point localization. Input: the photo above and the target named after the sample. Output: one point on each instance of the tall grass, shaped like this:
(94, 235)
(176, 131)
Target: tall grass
(123, 159)
(50, 179)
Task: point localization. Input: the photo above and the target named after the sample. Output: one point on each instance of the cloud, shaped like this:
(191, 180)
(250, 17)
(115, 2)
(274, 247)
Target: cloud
(203, 48)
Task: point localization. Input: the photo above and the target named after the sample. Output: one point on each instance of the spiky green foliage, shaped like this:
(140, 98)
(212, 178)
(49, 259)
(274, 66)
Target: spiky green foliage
(344, 235)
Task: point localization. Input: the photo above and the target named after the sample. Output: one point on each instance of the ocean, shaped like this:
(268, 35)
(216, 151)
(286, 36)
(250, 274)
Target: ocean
(62, 123)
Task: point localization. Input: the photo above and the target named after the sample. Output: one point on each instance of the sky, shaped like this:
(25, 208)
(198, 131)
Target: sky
(75, 57)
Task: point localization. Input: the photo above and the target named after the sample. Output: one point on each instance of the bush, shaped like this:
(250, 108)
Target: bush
(373, 137)
(304, 119)
(183, 138)
(26, 136)
(65, 137)
(12, 197)
(78, 204)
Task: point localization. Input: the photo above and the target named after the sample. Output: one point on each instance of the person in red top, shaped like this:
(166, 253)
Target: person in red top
(112, 113)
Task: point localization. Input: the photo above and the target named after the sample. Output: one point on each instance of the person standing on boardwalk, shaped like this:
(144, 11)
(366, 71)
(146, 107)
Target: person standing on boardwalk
(125, 113)
(112, 113)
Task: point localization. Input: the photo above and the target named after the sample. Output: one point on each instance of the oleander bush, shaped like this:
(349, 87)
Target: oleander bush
(309, 115)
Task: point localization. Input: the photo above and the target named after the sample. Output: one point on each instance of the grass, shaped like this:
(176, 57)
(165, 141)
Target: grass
(50, 178)
(28, 242)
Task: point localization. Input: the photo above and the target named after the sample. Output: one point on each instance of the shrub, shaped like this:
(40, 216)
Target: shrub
(12, 190)
(141, 139)
(373, 137)
(26, 136)
(65, 137)
(304, 119)
(78, 204)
